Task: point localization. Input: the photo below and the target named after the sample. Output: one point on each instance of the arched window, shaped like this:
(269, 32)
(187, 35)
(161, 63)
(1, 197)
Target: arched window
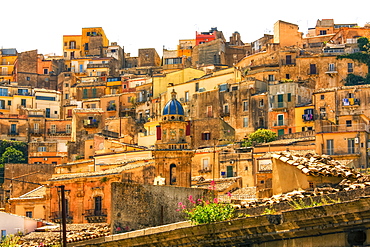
(172, 174)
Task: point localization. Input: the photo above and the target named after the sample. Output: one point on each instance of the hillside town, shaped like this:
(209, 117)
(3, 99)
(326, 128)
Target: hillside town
(118, 141)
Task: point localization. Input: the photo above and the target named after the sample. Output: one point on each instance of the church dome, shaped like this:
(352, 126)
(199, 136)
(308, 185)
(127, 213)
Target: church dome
(173, 107)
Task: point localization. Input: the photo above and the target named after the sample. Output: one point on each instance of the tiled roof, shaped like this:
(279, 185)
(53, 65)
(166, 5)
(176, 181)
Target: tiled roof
(317, 165)
(288, 141)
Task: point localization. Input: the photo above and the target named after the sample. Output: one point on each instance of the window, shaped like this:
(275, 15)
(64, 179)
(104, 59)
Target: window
(36, 128)
(3, 92)
(280, 132)
(98, 205)
(245, 122)
(261, 103)
(280, 121)
(287, 76)
(288, 59)
(68, 129)
(69, 113)
(245, 105)
(351, 145)
(312, 69)
(322, 32)
(348, 123)
(41, 149)
(226, 109)
(172, 174)
(9, 102)
(280, 100)
(205, 164)
(46, 71)
(331, 67)
(13, 128)
(187, 96)
(28, 78)
(66, 96)
(23, 102)
(350, 67)
(94, 92)
(209, 111)
(322, 97)
(206, 136)
(53, 129)
(3, 234)
(84, 93)
(48, 98)
(271, 78)
(289, 97)
(29, 214)
(330, 147)
(22, 91)
(197, 87)
(47, 112)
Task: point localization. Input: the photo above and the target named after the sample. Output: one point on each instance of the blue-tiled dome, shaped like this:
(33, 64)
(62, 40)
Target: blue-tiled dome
(173, 107)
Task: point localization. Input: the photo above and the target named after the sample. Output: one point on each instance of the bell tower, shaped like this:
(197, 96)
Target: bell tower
(172, 153)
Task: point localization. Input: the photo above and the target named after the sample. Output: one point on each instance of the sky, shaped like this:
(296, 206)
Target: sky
(40, 24)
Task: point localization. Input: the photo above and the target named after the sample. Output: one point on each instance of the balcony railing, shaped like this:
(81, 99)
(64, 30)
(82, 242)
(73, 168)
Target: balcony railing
(13, 133)
(57, 217)
(350, 102)
(344, 128)
(73, 47)
(280, 123)
(349, 151)
(58, 133)
(96, 216)
(279, 105)
(98, 65)
(288, 62)
(36, 132)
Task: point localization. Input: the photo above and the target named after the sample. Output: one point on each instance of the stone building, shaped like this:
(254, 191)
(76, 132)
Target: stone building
(342, 123)
(172, 153)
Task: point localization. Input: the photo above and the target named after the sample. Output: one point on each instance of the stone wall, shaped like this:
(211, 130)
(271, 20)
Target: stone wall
(137, 206)
(341, 224)
(27, 173)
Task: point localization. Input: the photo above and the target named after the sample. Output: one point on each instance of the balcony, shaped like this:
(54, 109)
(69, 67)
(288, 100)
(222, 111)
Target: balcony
(346, 102)
(58, 133)
(111, 108)
(288, 62)
(344, 128)
(13, 133)
(72, 47)
(91, 123)
(97, 65)
(57, 217)
(225, 114)
(349, 151)
(280, 123)
(36, 132)
(96, 216)
(308, 117)
(323, 116)
(279, 105)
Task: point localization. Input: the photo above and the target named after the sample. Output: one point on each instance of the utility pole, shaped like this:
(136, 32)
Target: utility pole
(64, 215)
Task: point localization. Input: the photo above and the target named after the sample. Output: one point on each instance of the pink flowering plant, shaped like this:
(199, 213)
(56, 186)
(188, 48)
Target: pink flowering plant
(205, 211)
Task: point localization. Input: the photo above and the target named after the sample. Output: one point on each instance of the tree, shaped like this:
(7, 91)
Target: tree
(12, 155)
(260, 136)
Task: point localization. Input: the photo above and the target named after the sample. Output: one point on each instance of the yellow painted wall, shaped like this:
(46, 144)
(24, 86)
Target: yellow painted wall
(299, 122)
(160, 83)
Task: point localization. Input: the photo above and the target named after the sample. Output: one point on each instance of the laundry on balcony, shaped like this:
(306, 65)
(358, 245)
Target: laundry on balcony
(307, 117)
(345, 101)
